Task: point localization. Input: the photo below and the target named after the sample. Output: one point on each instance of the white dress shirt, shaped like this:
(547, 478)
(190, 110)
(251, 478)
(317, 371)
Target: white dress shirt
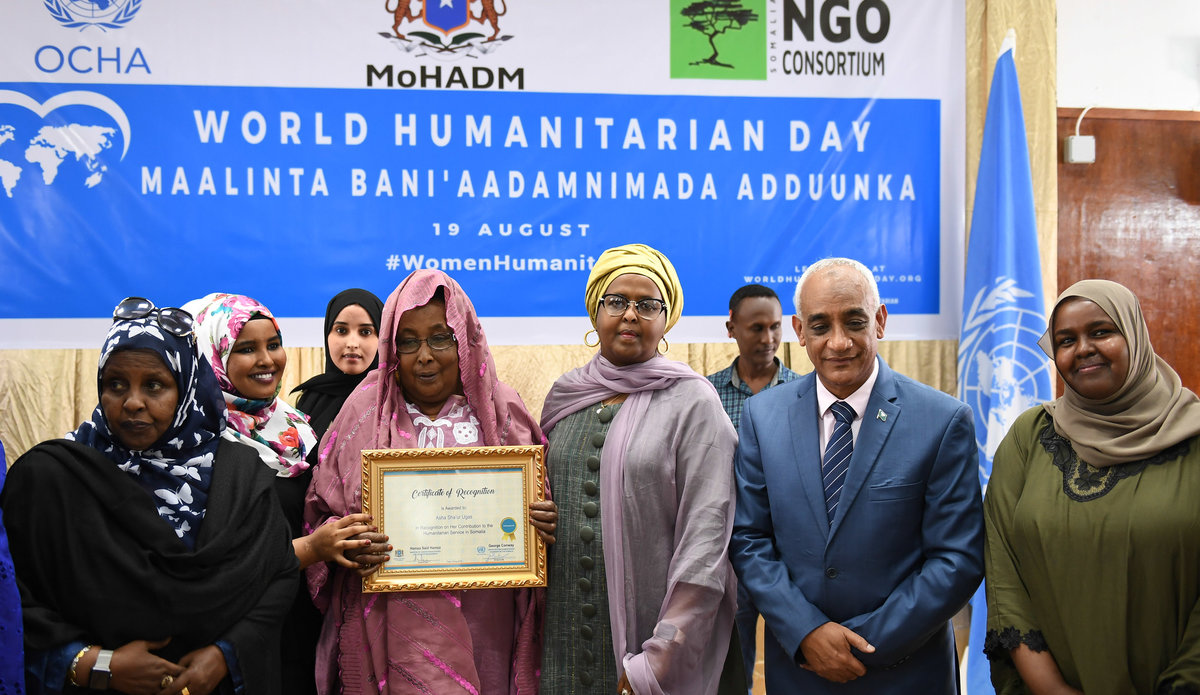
(857, 400)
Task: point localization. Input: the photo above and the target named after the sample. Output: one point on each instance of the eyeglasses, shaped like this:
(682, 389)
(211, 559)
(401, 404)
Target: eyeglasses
(173, 320)
(437, 341)
(648, 309)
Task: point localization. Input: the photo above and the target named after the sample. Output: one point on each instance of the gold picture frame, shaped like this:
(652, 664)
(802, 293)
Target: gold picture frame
(456, 518)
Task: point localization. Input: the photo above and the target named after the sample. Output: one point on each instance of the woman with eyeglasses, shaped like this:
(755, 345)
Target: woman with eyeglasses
(436, 386)
(244, 346)
(151, 554)
(351, 350)
(641, 594)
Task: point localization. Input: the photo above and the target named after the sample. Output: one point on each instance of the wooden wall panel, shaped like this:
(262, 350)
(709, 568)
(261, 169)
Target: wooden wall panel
(1134, 217)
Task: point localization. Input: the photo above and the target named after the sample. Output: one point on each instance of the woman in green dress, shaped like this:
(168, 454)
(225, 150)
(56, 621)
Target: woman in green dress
(1093, 525)
(641, 594)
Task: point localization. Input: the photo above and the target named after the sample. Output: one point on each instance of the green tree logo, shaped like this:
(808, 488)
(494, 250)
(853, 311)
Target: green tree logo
(722, 39)
(715, 17)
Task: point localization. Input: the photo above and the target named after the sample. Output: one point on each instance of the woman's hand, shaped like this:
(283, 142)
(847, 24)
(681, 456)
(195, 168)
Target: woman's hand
(135, 670)
(203, 671)
(368, 557)
(623, 686)
(331, 540)
(544, 517)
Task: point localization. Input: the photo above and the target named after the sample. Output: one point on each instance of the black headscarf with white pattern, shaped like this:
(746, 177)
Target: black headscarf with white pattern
(177, 469)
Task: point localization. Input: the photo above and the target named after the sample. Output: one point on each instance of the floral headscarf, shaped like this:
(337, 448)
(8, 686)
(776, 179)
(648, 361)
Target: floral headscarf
(176, 469)
(280, 433)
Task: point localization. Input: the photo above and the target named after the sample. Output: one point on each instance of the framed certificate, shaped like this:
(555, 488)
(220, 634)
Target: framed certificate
(456, 518)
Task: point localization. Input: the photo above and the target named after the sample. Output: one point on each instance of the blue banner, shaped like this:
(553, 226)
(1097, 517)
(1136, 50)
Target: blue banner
(1001, 370)
(174, 150)
(115, 188)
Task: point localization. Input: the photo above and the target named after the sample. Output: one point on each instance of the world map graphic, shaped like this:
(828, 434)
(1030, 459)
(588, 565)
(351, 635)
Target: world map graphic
(49, 148)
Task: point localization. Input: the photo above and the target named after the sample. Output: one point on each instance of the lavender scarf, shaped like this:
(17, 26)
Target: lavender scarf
(585, 386)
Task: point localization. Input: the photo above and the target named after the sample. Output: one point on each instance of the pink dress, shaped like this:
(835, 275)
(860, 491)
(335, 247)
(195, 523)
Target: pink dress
(481, 642)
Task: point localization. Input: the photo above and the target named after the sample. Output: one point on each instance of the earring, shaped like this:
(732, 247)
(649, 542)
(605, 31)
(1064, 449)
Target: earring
(585, 339)
(665, 344)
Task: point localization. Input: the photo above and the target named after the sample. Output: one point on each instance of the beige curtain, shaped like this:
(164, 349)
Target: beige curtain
(1035, 22)
(45, 393)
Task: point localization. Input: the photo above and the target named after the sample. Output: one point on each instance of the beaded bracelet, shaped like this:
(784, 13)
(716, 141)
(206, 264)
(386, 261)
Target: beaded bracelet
(75, 664)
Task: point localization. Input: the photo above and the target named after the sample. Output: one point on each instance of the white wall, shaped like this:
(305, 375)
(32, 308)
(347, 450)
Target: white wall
(1129, 54)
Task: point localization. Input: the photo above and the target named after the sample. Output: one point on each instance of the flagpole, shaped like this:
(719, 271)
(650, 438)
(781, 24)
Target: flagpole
(1001, 370)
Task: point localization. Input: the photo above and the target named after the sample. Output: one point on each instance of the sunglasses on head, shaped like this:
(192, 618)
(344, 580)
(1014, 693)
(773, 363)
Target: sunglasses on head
(172, 319)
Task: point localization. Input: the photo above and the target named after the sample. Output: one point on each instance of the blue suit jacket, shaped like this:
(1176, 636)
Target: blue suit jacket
(904, 552)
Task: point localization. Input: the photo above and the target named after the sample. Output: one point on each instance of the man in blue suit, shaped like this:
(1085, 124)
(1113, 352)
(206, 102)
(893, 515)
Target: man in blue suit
(859, 526)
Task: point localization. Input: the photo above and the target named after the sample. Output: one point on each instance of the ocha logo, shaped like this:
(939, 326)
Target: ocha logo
(104, 14)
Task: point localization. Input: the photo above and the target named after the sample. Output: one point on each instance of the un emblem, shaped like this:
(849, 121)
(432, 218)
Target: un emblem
(81, 14)
(1001, 370)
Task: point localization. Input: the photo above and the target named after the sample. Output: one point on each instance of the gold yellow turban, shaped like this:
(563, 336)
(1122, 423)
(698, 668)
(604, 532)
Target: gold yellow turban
(637, 259)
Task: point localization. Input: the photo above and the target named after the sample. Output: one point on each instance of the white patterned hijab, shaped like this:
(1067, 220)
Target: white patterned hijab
(177, 469)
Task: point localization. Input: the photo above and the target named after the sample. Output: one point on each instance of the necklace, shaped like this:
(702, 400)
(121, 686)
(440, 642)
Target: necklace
(604, 410)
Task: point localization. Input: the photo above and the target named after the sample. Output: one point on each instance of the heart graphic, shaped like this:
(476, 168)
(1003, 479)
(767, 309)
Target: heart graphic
(80, 98)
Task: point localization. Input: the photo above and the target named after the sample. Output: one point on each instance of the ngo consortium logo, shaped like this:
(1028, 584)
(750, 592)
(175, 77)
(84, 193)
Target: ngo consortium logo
(104, 14)
(832, 38)
(747, 39)
(718, 39)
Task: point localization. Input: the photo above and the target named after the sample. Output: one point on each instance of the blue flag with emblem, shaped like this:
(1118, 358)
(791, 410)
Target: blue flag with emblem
(1001, 370)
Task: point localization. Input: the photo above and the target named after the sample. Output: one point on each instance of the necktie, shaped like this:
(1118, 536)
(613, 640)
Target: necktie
(837, 456)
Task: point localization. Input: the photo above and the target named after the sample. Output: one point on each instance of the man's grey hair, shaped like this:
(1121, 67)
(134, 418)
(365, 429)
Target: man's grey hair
(827, 263)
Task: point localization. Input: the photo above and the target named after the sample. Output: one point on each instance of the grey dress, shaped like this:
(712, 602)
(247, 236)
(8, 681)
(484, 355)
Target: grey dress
(578, 653)
(681, 462)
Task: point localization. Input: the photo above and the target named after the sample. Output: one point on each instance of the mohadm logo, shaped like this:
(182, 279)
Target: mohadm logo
(104, 14)
(450, 31)
(718, 39)
(453, 35)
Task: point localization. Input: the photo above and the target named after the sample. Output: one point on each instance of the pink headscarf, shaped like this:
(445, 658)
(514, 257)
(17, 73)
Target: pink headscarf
(279, 433)
(375, 417)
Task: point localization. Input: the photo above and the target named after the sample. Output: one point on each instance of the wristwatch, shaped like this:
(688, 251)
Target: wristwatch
(100, 673)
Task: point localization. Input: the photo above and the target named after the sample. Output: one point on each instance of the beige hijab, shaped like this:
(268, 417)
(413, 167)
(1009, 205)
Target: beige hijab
(1152, 411)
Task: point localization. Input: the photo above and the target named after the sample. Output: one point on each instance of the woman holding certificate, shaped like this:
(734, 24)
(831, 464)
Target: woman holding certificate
(641, 594)
(436, 386)
(151, 553)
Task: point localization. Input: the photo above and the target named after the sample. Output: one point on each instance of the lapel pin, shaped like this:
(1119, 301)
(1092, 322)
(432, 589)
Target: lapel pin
(881, 416)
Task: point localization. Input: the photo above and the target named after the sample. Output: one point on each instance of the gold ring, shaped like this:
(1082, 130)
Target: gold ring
(184, 691)
(166, 681)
